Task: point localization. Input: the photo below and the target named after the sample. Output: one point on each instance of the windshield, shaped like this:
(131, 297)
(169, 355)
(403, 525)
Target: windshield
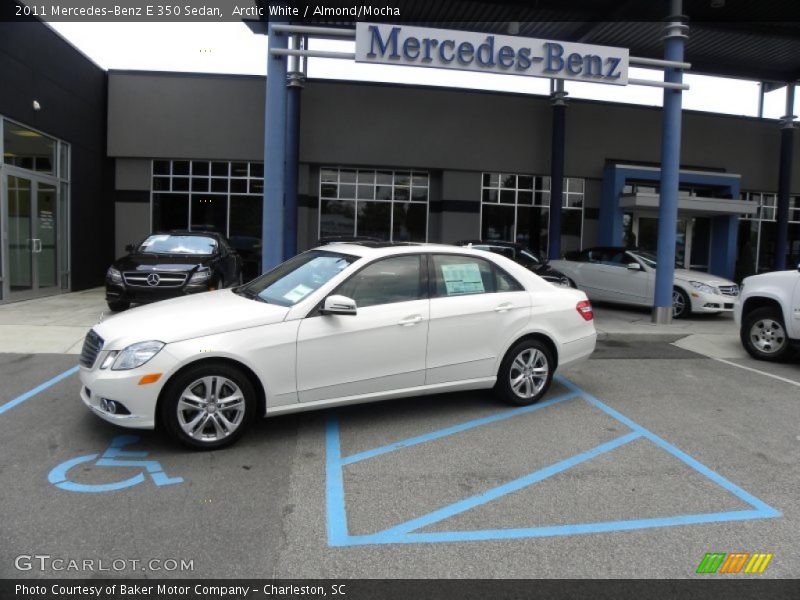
(178, 244)
(648, 258)
(289, 283)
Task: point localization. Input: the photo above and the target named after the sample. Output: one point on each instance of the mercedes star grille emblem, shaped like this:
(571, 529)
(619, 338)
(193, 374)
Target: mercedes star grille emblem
(153, 279)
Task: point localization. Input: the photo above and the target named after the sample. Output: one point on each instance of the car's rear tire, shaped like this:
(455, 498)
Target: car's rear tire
(526, 373)
(208, 406)
(763, 334)
(681, 304)
(119, 305)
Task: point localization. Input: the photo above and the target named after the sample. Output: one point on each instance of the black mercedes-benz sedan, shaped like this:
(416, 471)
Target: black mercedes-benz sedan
(522, 255)
(166, 265)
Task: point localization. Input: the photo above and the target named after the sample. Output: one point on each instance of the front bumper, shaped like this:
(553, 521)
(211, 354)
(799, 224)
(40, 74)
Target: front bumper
(123, 387)
(116, 292)
(711, 303)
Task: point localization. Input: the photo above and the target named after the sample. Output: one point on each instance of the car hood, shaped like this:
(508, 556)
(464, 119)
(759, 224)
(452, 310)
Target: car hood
(187, 317)
(163, 262)
(778, 278)
(707, 278)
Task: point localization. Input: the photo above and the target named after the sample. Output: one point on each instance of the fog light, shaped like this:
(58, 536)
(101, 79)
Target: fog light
(113, 407)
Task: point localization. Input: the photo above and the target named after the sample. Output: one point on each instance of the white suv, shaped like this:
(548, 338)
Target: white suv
(768, 314)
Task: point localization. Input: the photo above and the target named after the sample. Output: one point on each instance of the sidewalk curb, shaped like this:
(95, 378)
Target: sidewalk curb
(619, 336)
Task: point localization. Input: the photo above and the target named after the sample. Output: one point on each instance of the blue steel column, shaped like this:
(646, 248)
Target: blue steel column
(274, 151)
(670, 165)
(559, 102)
(784, 180)
(294, 86)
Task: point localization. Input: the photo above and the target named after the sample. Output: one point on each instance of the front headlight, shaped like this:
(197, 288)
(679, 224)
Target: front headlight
(702, 287)
(136, 355)
(202, 274)
(114, 275)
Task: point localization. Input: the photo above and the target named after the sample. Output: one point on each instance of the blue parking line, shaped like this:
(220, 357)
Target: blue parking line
(507, 488)
(440, 433)
(407, 532)
(479, 535)
(39, 388)
(334, 488)
(734, 489)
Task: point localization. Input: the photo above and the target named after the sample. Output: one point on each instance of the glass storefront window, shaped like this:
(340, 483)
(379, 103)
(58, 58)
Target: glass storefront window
(28, 149)
(385, 204)
(212, 195)
(170, 211)
(757, 235)
(515, 207)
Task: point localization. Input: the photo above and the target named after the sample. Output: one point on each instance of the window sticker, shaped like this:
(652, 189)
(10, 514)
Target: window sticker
(463, 279)
(297, 293)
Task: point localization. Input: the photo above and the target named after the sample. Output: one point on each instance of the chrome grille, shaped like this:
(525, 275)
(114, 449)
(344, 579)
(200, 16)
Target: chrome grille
(729, 290)
(92, 345)
(162, 279)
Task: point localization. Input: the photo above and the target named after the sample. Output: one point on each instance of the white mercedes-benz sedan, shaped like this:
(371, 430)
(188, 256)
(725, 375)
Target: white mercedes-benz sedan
(616, 274)
(340, 324)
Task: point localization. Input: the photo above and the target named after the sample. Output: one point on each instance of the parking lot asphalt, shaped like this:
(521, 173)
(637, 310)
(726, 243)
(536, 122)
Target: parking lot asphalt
(638, 463)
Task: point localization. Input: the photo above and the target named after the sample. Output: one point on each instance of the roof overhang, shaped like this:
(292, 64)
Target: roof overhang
(695, 205)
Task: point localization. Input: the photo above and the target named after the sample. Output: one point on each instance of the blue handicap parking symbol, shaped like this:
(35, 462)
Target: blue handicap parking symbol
(408, 532)
(114, 456)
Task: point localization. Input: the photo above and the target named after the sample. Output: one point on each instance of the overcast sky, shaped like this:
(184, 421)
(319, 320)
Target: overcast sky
(232, 48)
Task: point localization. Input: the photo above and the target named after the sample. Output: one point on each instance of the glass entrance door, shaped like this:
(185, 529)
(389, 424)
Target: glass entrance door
(646, 234)
(32, 215)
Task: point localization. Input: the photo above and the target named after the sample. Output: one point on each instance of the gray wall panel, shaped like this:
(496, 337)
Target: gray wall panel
(185, 116)
(132, 224)
(132, 174)
(169, 115)
(429, 128)
(461, 185)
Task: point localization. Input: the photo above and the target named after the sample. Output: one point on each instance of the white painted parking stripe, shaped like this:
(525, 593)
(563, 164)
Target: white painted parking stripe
(778, 377)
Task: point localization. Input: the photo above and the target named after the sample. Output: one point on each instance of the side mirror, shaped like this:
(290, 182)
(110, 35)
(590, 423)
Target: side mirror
(129, 248)
(338, 305)
(634, 266)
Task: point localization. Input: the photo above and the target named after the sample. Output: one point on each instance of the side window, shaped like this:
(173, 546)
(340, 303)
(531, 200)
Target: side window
(617, 259)
(505, 282)
(461, 275)
(386, 281)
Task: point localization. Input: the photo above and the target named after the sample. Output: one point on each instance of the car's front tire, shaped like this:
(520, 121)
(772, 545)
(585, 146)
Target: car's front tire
(763, 334)
(208, 406)
(526, 373)
(681, 304)
(118, 305)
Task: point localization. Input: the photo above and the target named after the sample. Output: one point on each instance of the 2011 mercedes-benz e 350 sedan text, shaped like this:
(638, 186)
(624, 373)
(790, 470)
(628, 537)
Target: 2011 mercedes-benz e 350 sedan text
(341, 324)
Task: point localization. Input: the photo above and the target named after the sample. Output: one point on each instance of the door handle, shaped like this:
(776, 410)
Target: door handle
(409, 321)
(504, 307)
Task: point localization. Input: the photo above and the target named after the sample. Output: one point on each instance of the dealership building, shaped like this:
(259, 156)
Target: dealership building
(95, 160)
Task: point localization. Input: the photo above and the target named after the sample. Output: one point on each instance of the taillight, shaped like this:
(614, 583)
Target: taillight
(584, 307)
